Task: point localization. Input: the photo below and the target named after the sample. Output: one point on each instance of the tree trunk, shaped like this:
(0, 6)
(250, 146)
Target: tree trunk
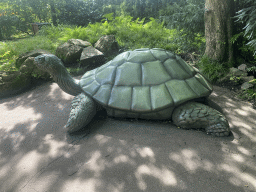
(218, 29)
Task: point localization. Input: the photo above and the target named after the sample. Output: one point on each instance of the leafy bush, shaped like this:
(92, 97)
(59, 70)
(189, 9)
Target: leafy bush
(77, 12)
(248, 17)
(129, 33)
(7, 26)
(212, 69)
(243, 51)
(12, 49)
(187, 16)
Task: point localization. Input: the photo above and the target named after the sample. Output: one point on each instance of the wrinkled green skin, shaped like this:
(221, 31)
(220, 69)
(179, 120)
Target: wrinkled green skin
(189, 115)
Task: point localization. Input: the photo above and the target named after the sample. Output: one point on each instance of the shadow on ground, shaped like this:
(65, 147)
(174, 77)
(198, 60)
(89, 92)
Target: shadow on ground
(113, 155)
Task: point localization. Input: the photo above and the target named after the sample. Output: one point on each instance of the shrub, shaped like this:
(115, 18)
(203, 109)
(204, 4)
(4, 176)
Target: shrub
(212, 69)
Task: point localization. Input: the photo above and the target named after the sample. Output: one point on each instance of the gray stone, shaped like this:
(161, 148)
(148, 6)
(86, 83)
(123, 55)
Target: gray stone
(70, 51)
(247, 79)
(91, 56)
(13, 82)
(28, 68)
(242, 67)
(236, 72)
(107, 44)
(246, 86)
(24, 56)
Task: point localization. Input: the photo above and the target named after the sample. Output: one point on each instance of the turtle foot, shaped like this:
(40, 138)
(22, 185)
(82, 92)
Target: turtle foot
(193, 115)
(82, 111)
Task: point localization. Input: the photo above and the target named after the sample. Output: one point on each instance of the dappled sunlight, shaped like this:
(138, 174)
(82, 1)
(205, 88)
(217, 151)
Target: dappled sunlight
(242, 125)
(238, 177)
(165, 176)
(95, 163)
(80, 185)
(244, 151)
(191, 160)
(16, 138)
(241, 112)
(102, 139)
(29, 162)
(55, 148)
(119, 155)
(113, 167)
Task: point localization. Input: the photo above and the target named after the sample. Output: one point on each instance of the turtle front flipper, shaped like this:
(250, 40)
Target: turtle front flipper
(82, 111)
(193, 115)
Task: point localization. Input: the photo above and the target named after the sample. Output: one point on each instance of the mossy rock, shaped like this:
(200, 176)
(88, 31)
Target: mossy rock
(13, 82)
(30, 69)
(24, 56)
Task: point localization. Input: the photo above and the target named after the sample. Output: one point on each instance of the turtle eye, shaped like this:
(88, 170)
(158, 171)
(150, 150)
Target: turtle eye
(41, 58)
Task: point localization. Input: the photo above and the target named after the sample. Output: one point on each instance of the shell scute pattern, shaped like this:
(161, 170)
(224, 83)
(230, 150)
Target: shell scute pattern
(128, 74)
(144, 80)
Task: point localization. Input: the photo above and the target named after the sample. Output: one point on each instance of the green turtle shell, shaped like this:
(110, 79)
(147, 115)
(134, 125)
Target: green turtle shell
(144, 83)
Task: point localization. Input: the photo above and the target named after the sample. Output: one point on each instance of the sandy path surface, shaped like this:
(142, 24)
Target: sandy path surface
(36, 154)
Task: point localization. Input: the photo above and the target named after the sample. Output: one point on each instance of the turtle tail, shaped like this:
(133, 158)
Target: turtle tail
(193, 115)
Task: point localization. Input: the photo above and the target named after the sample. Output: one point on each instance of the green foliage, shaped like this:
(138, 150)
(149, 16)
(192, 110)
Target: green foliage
(212, 69)
(129, 33)
(252, 69)
(247, 16)
(77, 12)
(244, 51)
(235, 79)
(12, 49)
(250, 94)
(187, 16)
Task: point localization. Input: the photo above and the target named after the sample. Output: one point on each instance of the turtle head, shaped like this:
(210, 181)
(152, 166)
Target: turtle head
(53, 65)
(49, 63)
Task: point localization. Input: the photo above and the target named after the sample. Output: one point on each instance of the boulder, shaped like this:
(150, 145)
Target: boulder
(28, 68)
(13, 82)
(107, 44)
(236, 72)
(24, 56)
(246, 86)
(242, 67)
(247, 79)
(92, 56)
(70, 52)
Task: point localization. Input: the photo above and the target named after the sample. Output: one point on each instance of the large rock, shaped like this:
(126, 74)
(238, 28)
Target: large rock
(29, 69)
(13, 82)
(24, 56)
(236, 72)
(107, 44)
(70, 51)
(247, 79)
(246, 86)
(242, 67)
(91, 56)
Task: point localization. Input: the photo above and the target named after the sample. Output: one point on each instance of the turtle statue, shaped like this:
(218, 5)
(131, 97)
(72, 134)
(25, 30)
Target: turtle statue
(142, 84)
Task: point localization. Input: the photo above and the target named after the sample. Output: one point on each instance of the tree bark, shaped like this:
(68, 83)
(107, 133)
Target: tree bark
(218, 29)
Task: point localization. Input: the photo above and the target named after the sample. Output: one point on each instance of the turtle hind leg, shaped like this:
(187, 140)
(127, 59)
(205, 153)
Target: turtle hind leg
(82, 111)
(193, 115)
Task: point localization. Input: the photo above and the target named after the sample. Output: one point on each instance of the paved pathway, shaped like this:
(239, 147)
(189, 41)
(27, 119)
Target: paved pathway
(36, 155)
